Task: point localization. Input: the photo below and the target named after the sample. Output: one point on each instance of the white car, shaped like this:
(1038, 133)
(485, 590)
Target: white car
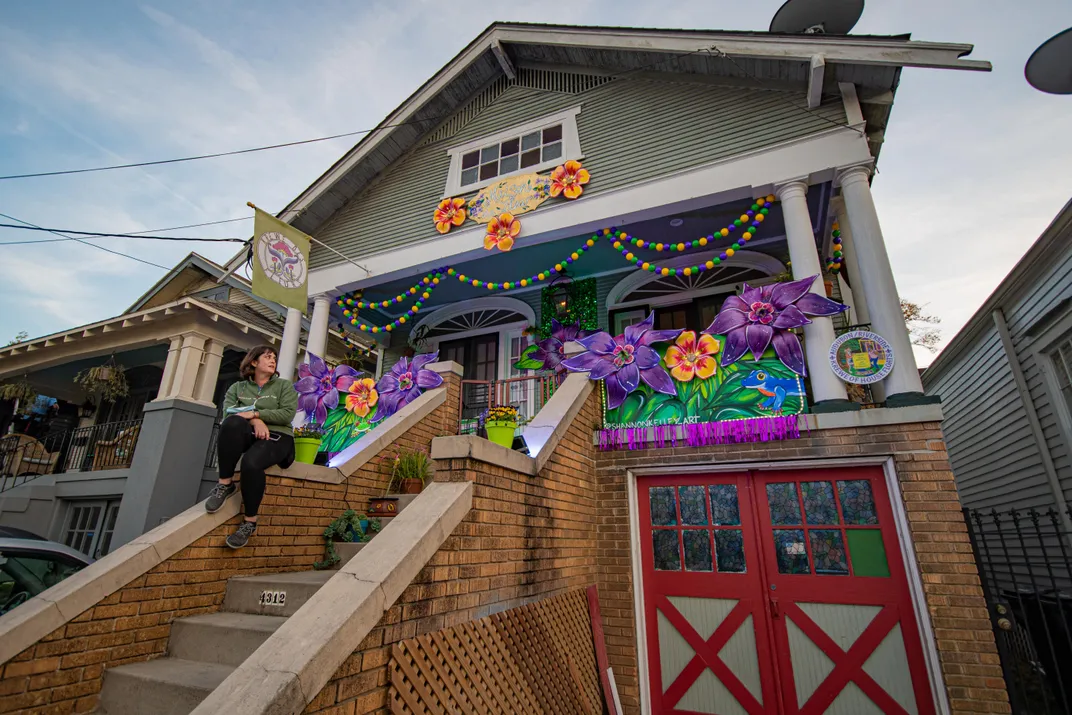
(30, 564)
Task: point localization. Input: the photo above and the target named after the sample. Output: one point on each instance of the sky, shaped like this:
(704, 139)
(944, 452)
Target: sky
(970, 174)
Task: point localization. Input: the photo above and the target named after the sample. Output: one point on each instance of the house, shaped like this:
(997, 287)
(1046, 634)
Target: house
(757, 540)
(184, 338)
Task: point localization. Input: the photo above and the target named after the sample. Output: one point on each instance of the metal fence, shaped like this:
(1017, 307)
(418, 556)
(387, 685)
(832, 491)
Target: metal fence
(211, 457)
(1025, 563)
(528, 394)
(109, 445)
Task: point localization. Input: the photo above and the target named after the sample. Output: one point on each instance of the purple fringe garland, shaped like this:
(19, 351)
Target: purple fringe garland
(698, 434)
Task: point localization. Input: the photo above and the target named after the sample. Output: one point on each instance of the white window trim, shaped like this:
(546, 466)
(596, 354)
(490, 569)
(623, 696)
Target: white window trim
(571, 150)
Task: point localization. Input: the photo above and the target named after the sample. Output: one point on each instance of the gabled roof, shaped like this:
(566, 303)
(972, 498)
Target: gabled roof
(805, 62)
(193, 266)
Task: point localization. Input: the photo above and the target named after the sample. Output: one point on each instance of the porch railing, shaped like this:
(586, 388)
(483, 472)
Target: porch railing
(528, 394)
(211, 458)
(109, 445)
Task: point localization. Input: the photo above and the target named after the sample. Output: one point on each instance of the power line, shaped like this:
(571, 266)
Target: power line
(92, 245)
(192, 225)
(96, 234)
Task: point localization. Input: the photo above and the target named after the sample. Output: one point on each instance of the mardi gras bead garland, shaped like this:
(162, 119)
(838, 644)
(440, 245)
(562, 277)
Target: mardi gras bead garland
(751, 218)
(834, 264)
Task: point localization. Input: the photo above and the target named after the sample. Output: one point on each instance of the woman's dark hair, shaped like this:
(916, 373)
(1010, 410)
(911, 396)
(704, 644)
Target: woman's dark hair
(246, 369)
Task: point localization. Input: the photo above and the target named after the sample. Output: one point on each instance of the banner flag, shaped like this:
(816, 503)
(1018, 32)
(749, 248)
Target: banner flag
(280, 262)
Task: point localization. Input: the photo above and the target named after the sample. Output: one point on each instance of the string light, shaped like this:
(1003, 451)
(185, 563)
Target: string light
(750, 221)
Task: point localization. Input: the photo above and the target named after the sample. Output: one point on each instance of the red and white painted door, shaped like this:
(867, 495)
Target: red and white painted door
(778, 593)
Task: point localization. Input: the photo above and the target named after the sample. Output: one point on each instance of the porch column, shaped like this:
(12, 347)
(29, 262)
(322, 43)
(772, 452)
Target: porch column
(827, 390)
(185, 379)
(318, 326)
(170, 367)
(205, 386)
(903, 386)
(288, 348)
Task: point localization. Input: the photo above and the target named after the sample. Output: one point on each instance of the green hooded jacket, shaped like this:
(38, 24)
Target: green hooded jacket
(277, 402)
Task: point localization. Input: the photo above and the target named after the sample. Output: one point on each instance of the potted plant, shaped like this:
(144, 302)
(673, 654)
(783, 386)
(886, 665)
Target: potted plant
(307, 442)
(351, 527)
(410, 471)
(109, 380)
(21, 390)
(501, 423)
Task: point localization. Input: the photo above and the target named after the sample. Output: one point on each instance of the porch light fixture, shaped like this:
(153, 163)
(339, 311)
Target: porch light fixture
(560, 293)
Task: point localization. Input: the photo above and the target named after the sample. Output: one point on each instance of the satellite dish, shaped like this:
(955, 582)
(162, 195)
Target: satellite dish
(817, 17)
(1050, 67)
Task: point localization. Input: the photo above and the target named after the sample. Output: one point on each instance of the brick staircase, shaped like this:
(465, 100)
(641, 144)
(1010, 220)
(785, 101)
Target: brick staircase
(203, 650)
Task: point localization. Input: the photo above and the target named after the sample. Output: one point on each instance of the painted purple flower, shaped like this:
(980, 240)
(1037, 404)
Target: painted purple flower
(625, 360)
(318, 387)
(552, 351)
(763, 316)
(404, 384)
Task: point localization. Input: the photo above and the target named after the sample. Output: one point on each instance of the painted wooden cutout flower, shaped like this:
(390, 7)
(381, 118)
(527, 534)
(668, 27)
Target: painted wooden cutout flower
(552, 351)
(451, 212)
(404, 383)
(763, 316)
(624, 360)
(501, 232)
(688, 357)
(362, 396)
(569, 179)
(318, 387)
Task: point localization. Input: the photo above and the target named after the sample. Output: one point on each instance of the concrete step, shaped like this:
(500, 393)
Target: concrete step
(225, 638)
(165, 686)
(346, 551)
(279, 594)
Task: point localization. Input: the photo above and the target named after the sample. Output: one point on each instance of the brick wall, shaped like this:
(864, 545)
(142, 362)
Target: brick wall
(959, 616)
(62, 672)
(526, 538)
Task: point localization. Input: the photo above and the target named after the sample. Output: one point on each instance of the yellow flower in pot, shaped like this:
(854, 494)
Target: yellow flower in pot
(307, 440)
(501, 423)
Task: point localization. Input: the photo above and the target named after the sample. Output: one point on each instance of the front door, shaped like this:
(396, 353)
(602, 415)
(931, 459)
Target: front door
(479, 358)
(778, 592)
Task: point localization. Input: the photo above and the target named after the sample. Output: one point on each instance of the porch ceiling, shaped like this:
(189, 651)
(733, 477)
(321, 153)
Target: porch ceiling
(526, 260)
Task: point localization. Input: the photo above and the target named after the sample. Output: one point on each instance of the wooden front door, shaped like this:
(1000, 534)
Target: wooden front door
(779, 593)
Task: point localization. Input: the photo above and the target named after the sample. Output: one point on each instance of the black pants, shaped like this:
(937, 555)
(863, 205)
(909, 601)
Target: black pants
(237, 440)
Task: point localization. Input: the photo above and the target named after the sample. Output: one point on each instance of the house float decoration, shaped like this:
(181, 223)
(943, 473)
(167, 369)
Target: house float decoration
(346, 406)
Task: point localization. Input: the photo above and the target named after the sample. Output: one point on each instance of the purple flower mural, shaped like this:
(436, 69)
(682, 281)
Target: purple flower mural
(624, 360)
(404, 384)
(550, 352)
(763, 316)
(318, 387)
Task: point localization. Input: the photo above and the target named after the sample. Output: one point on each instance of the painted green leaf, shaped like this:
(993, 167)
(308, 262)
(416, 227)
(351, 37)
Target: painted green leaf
(631, 409)
(526, 361)
(670, 411)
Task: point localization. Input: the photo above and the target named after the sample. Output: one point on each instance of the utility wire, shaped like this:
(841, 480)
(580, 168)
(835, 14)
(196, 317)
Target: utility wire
(92, 245)
(95, 234)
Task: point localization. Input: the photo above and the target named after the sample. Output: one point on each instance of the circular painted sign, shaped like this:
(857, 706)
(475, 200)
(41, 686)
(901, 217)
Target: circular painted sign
(281, 260)
(861, 357)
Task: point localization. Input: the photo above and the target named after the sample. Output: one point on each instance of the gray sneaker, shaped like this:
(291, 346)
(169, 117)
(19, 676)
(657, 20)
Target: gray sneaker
(218, 496)
(241, 536)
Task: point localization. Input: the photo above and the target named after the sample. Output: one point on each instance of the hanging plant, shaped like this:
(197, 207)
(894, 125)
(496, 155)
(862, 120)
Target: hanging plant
(109, 380)
(22, 391)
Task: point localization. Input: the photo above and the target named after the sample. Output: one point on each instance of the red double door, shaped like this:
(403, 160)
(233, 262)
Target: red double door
(778, 593)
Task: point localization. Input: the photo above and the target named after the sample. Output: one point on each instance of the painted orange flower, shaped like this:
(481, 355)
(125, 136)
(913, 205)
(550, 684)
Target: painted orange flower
(451, 212)
(688, 358)
(568, 179)
(362, 397)
(501, 232)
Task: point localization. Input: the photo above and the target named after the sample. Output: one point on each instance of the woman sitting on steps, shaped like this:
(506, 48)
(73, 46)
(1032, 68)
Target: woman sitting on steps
(260, 408)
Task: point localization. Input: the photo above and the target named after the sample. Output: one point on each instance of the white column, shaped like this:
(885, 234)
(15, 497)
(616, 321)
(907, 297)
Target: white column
(193, 348)
(318, 326)
(819, 334)
(168, 378)
(288, 348)
(205, 386)
(852, 262)
(880, 290)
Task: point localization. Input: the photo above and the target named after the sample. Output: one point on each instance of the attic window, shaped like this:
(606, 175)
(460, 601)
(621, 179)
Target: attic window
(536, 146)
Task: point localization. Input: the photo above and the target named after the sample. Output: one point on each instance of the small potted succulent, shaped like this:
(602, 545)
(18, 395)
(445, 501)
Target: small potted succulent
(307, 442)
(501, 423)
(351, 527)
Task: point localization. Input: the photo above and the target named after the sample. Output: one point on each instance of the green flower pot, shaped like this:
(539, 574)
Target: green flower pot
(305, 449)
(501, 432)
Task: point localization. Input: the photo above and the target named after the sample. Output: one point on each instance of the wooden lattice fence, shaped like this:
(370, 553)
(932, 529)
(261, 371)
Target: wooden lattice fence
(533, 659)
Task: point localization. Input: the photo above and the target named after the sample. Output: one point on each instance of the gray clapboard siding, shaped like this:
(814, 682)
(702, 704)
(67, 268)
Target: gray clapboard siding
(631, 130)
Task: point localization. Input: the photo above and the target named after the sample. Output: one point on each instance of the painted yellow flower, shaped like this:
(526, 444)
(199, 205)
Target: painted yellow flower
(688, 358)
(568, 179)
(501, 232)
(451, 212)
(362, 397)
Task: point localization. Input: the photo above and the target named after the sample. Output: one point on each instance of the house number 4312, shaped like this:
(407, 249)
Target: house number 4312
(273, 598)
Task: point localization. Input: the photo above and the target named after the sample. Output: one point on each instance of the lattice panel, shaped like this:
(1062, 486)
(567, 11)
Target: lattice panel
(534, 659)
